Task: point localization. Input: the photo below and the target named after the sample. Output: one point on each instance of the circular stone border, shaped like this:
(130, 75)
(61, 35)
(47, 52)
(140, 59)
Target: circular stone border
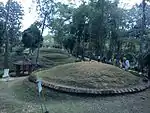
(77, 90)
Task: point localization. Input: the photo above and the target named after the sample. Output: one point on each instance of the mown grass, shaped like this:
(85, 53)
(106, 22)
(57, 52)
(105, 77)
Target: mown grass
(89, 75)
(54, 57)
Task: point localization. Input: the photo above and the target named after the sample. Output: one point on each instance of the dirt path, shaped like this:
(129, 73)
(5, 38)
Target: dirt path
(9, 103)
(17, 98)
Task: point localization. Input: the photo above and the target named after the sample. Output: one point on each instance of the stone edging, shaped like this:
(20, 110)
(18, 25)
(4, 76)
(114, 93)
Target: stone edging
(70, 89)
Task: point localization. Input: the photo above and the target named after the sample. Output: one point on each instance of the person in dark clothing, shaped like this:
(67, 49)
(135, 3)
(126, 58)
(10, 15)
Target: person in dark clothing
(104, 60)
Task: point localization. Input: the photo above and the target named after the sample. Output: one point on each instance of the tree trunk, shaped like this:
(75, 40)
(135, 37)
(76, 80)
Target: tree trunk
(143, 26)
(38, 51)
(77, 46)
(11, 48)
(83, 43)
(90, 43)
(142, 35)
(101, 34)
(119, 46)
(6, 66)
(110, 45)
(149, 72)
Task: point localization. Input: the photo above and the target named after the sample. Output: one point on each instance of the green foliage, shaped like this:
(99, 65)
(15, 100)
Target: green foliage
(15, 18)
(130, 56)
(14, 21)
(32, 37)
(69, 43)
(98, 27)
(48, 41)
(147, 59)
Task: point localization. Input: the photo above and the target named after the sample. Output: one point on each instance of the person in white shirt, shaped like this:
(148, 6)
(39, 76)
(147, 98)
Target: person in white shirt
(127, 64)
(99, 57)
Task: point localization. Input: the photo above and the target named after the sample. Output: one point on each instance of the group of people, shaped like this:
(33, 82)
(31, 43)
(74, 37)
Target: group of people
(122, 63)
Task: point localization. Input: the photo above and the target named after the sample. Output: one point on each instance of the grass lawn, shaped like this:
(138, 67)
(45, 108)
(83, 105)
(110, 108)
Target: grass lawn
(89, 75)
(21, 97)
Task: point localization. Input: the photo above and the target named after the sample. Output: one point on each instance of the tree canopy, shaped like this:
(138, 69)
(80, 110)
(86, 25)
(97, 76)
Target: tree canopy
(31, 37)
(92, 28)
(14, 21)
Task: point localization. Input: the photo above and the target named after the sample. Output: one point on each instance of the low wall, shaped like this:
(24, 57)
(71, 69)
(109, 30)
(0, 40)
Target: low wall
(70, 89)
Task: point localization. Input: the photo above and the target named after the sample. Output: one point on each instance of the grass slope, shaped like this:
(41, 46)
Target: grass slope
(48, 58)
(54, 57)
(89, 75)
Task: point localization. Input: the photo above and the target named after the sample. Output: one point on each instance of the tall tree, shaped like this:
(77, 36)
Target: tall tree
(15, 18)
(6, 66)
(2, 18)
(46, 10)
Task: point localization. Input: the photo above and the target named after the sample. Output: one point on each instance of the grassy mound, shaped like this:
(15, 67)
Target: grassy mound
(52, 50)
(54, 57)
(89, 75)
(48, 58)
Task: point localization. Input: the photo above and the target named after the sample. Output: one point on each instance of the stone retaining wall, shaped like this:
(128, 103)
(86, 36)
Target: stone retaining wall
(70, 89)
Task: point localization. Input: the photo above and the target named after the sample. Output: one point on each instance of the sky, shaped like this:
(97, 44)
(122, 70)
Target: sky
(31, 16)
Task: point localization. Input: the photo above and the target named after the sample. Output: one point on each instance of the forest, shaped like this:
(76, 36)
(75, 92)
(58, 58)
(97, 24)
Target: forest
(74, 56)
(91, 29)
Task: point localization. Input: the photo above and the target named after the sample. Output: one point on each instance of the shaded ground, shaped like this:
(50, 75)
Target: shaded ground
(21, 97)
(89, 75)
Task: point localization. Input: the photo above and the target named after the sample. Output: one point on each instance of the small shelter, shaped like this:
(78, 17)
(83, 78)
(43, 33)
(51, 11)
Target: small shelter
(23, 68)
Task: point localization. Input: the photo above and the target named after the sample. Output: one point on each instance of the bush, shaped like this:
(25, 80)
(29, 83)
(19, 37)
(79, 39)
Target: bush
(130, 57)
